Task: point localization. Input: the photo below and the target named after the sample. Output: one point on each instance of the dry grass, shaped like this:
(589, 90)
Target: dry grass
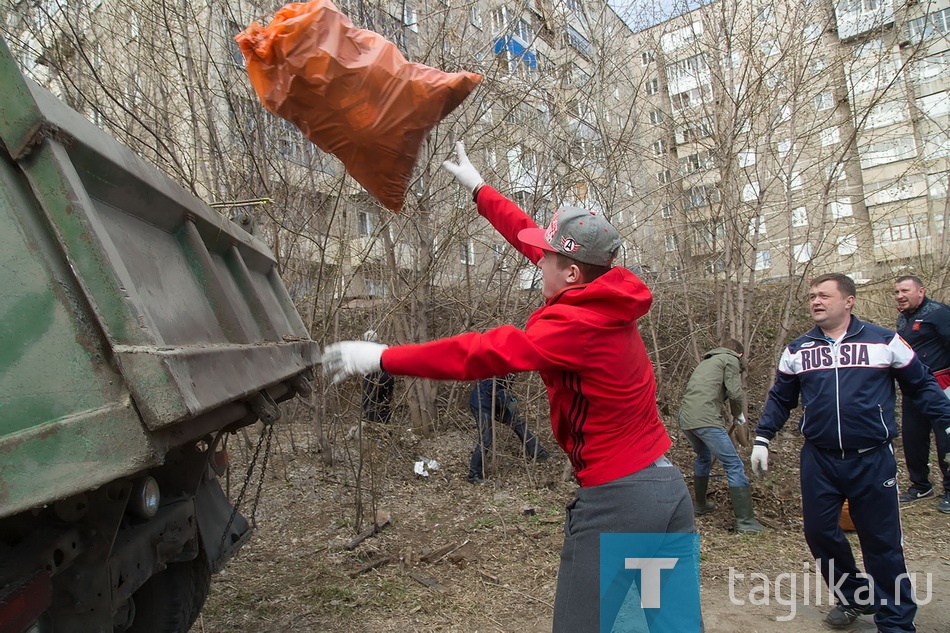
(296, 574)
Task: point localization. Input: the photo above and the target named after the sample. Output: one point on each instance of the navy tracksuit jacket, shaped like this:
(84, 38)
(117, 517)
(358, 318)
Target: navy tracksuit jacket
(847, 397)
(927, 330)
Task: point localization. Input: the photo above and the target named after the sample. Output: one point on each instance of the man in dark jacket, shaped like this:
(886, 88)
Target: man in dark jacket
(715, 381)
(925, 325)
(843, 371)
(491, 401)
(377, 388)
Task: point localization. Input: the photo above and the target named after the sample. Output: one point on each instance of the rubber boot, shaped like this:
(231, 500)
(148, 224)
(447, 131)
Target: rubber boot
(702, 505)
(742, 507)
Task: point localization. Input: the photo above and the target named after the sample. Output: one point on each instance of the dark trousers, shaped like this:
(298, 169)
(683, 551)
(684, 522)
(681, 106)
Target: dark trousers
(652, 500)
(486, 436)
(869, 482)
(916, 429)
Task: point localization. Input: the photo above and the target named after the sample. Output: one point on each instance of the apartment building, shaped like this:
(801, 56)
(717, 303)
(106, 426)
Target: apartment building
(790, 137)
(550, 124)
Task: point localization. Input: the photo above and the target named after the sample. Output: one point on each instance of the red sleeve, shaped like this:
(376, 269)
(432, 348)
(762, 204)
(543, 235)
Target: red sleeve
(471, 356)
(508, 219)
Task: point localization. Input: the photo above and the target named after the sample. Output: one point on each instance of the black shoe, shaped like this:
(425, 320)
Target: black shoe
(477, 481)
(916, 494)
(542, 455)
(842, 616)
(944, 504)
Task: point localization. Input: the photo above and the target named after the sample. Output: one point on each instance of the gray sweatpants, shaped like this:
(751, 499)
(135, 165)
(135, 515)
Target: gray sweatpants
(653, 500)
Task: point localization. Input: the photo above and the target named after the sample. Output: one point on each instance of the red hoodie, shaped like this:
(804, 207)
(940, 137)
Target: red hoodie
(585, 344)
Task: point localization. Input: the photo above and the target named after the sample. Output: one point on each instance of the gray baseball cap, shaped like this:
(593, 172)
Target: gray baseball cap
(583, 235)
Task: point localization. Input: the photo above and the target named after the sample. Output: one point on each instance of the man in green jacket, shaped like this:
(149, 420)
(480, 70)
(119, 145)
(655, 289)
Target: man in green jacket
(716, 381)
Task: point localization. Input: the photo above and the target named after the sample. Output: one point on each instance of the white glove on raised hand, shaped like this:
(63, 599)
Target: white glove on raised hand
(760, 457)
(740, 419)
(348, 358)
(463, 170)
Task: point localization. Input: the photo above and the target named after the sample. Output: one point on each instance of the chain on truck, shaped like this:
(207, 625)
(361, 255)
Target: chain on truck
(138, 328)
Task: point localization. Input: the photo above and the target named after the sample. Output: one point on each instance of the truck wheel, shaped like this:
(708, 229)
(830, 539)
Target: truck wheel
(169, 601)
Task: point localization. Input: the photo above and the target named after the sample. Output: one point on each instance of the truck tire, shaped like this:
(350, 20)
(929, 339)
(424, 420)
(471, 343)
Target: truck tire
(169, 601)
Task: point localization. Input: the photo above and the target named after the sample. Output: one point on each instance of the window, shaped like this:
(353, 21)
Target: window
(467, 252)
(656, 117)
(802, 252)
(689, 68)
(499, 19)
(375, 287)
(750, 192)
(659, 148)
(666, 211)
(824, 101)
(757, 224)
(799, 216)
(898, 230)
(769, 47)
(291, 145)
(887, 113)
(784, 147)
(701, 195)
(930, 68)
(689, 98)
(671, 243)
(578, 42)
(664, 177)
(524, 31)
(763, 260)
(929, 26)
(793, 182)
(812, 32)
(646, 57)
(841, 208)
(475, 17)
(889, 151)
(746, 158)
(935, 105)
(830, 136)
(410, 18)
(696, 162)
(834, 172)
(783, 114)
(577, 76)
(816, 65)
(764, 14)
(367, 223)
(936, 145)
(237, 57)
(653, 86)
(847, 244)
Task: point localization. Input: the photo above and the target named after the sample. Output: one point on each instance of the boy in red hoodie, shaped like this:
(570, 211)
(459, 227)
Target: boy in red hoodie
(585, 344)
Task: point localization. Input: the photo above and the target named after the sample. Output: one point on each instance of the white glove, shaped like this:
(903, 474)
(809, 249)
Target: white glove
(347, 358)
(740, 419)
(463, 171)
(760, 458)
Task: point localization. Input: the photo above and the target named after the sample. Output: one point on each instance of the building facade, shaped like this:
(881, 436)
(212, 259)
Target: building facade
(790, 137)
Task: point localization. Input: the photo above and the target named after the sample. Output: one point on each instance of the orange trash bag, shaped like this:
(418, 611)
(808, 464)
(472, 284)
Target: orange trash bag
(351, 92)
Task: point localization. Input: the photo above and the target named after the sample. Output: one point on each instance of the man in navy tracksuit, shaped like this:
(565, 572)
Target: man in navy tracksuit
(843, 372)
(925, 325)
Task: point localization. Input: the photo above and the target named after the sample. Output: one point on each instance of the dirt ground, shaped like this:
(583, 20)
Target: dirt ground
(458, 557)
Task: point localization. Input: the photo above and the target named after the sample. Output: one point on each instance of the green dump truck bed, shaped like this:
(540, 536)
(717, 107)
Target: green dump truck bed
(133, 318)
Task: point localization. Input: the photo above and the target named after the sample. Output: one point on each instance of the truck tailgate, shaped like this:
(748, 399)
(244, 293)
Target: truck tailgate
(132, 316)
